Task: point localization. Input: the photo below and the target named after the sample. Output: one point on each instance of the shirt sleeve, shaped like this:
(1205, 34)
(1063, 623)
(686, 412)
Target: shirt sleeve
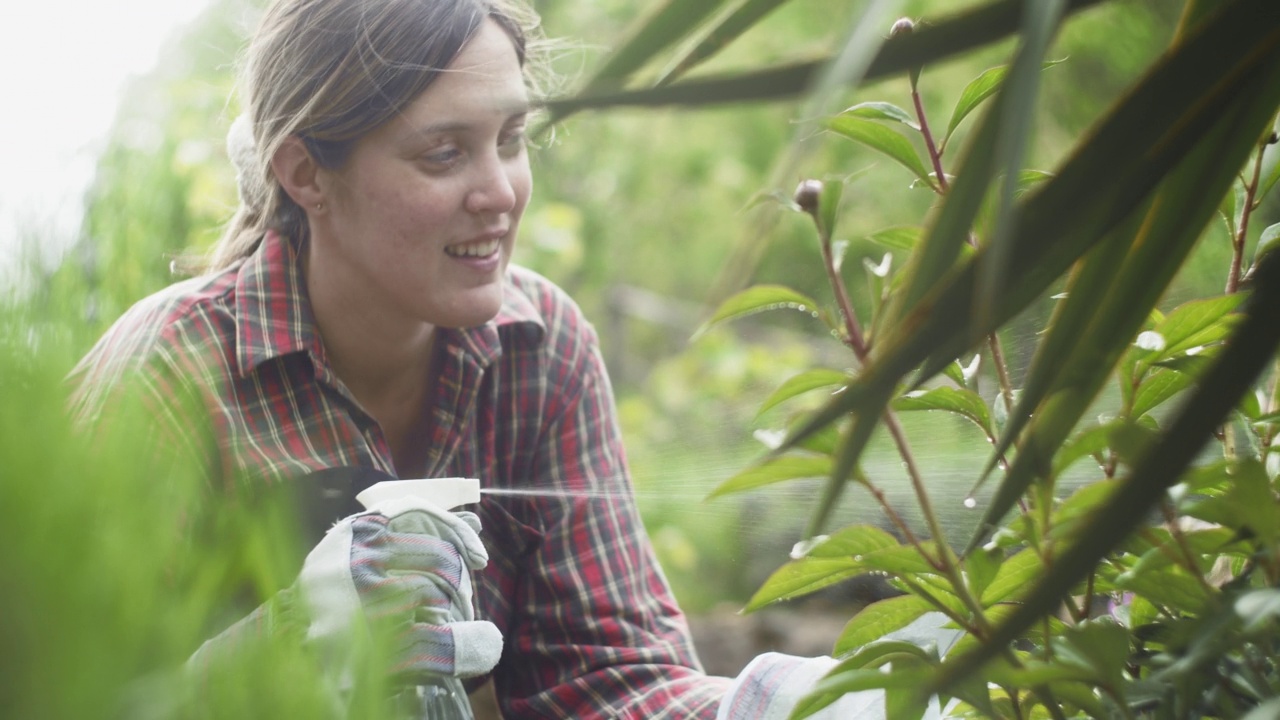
(600, 634)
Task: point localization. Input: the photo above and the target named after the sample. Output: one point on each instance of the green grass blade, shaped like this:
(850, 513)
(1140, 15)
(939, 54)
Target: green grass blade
(1018, 101)
(1185, 204)
(949, 36)
(1248, 353)
(665, 27)
(742, 19)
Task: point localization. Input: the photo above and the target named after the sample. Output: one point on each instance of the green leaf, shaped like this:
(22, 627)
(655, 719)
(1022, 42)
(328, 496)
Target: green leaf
(1267, 240)
(981, 567)
(1101, 645)
(803, 577)
(1085, 443)
(978, 89)
(743, 18)
(839, 683)
(1013, 578)
(900, 559)
(880, 138)
(1189, 324)
(774, 470)
(879, 619)
(1168, 587)
(900, 237)
(757, 299)
(1156, 389)
(803, 383)
(965, 403)
(883, 111)
(853, 541)
(1257, 608)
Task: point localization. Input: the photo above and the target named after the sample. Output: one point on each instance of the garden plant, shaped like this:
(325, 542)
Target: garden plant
(1152, 590)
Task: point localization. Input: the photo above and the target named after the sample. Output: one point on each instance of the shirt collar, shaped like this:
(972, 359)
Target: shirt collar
(273, 312)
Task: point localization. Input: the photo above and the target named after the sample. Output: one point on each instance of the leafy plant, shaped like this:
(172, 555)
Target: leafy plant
(1151, 591)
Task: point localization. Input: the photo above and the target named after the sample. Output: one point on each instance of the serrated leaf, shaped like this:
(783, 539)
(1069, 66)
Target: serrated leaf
(803, 577)
(965, 403)
(900, 237)
(883, 111)
(774, 470)
(879, 619)
(800, 384)
(882, 139)
(1014, 576)
(758, 299)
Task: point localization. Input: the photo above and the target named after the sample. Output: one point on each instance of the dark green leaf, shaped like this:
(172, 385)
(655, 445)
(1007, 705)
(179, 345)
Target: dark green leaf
(803, 383)
(900, 559)
(882, 139)
(965, 403)
(803, 577)
(879, 619)
(1169, 587)
(1014, 577)
(1156, 389)
(774, 470)
(853, 541)
(883, 111)
(978, 89)
(1101, 645)
(973, 28)
(759, 299)
(1086, 443)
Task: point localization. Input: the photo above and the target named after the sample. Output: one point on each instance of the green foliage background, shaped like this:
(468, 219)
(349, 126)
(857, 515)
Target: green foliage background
(637, 213)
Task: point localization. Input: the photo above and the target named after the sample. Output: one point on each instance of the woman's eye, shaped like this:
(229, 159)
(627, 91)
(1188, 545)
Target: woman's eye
(513, 141)
(443, 156)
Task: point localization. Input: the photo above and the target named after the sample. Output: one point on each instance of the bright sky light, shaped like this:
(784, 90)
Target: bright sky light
(65, 65)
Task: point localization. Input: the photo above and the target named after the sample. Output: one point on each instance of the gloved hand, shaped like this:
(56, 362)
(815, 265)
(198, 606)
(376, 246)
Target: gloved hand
(407, 563)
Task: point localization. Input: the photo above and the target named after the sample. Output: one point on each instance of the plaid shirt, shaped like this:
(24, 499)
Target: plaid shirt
(591, 629)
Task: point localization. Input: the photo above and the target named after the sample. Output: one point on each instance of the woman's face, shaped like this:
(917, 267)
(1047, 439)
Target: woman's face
(420, 222)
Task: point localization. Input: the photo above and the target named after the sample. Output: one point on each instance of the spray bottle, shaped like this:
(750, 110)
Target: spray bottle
(439, 698)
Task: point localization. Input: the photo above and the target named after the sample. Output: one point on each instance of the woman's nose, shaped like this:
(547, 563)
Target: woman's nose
(494, 190)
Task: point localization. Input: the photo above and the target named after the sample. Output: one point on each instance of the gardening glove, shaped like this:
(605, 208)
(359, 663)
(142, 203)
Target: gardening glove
(771, 685)
(408, 563)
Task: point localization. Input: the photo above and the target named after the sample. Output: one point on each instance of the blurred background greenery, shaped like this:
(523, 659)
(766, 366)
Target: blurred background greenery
(637, 213)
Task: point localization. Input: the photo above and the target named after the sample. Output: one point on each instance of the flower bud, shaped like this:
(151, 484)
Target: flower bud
(903, 26)
(807, 195)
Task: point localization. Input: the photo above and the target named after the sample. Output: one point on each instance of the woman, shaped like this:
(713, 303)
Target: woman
(360, 312)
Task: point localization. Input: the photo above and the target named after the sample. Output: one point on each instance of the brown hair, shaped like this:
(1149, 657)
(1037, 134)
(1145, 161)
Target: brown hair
(331, 71)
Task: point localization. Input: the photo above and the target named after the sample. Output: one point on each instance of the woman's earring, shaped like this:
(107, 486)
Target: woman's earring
(319, 207)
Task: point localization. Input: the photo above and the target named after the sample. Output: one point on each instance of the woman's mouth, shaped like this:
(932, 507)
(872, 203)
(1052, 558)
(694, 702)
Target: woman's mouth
(475, 249)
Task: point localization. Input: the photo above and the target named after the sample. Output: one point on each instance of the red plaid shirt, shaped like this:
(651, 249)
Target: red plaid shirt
(591, 629)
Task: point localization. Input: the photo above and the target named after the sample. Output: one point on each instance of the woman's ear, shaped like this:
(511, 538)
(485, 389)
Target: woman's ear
(298, 173)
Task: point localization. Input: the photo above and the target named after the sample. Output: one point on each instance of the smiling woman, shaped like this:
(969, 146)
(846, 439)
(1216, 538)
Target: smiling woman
(360, 320)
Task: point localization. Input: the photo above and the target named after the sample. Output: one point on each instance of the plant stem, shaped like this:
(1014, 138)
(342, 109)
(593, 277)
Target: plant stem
(945, 562)
(934, 155)
(1241, 234)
